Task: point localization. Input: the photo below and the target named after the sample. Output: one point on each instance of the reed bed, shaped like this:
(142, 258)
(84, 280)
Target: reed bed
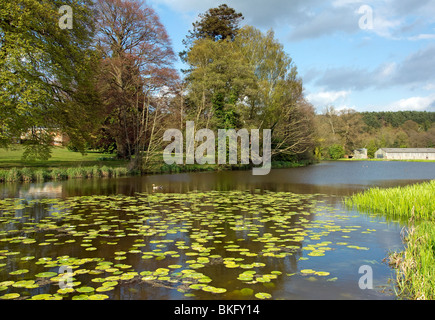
(416, 265)
(58, 174)
(398, 202)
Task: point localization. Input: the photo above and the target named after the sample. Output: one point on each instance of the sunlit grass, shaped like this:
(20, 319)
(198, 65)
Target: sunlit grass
(398, 202)
(60, 157)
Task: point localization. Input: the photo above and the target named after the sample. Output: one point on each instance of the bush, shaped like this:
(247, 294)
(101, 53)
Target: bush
(336, 152)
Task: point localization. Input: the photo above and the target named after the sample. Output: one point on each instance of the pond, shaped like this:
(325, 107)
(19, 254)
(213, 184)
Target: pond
(208, 236)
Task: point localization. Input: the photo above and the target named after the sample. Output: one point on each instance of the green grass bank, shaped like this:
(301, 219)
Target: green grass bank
(416, 204)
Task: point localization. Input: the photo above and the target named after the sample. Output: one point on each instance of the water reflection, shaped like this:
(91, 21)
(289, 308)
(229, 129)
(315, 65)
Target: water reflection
(332, 178)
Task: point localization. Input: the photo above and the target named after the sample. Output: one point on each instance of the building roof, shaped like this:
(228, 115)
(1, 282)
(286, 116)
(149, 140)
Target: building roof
(409, 150)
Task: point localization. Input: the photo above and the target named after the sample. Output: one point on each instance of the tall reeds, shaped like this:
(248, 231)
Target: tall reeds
(59, 174)
(398, 202)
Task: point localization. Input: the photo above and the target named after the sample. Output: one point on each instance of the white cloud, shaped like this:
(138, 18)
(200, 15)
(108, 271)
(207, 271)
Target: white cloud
(423, 36)
(413, 103)
(327, 98)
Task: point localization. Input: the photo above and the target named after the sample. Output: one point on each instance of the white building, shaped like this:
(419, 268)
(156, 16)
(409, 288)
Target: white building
(360, 154)
(405, 154)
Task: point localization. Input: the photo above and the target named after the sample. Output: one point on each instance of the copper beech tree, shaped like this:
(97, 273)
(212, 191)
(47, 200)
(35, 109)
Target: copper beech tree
(136, 76)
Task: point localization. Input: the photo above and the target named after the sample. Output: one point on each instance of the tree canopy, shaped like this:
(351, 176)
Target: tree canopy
(46, 74)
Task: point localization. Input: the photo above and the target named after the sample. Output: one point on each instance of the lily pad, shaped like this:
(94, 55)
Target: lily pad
(19, 272)
(263, 296)
(85, 289)
(10, 296)
(46, 275)
(98, 297)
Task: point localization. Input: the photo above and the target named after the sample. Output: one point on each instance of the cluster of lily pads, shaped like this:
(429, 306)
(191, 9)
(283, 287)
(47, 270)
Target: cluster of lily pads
(200, 244)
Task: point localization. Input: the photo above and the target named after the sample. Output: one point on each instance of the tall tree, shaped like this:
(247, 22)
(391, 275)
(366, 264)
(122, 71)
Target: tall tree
(278, 102)
(219, 80)
(137, 68)
(216, 24)
(46, 74)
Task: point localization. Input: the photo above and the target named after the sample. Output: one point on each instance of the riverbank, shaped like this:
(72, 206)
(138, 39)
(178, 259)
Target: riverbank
(65, 165)
(415, 266)
(385, 160)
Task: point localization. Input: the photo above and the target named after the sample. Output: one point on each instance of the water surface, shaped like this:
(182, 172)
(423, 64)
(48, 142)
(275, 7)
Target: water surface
(286, 234)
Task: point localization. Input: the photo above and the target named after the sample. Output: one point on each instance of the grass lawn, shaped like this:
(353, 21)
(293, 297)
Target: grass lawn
(61, 157)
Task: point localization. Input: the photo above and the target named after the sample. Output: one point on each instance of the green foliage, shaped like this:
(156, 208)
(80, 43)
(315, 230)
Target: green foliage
(396, 119)
(374, 130)
(59, 174)
(216, 24)
(336, 152)
(249, 81)
(217, 82)
(46, 73)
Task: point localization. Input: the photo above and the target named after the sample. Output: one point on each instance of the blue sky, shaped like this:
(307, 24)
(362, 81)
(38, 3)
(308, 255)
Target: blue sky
(368, 55)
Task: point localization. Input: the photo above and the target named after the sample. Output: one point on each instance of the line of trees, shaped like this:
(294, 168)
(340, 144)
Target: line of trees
(341, 132)
(110, 83)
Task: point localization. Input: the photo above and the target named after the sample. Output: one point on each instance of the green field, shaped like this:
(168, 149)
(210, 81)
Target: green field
(61, 158)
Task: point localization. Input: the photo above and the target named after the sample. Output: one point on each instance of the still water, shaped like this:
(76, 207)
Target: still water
(217, 235)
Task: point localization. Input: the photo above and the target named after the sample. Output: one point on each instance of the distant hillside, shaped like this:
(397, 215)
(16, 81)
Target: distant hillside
(340, 132)
(396, 119)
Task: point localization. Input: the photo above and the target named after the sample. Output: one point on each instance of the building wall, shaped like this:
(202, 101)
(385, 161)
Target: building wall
(380, 154)
(410, 156)
(360, 154)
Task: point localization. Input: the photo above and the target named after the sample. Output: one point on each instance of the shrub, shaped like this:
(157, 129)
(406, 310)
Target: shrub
(336, 152)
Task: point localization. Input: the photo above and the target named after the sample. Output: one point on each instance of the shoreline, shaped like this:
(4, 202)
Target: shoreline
(42, 174)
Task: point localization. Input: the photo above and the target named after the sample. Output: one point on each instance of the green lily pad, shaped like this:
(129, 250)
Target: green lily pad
(19, 272)
(85, 289)
(65, 290)
(27, 258)
(263, 296)
(41, 297)
(98, 297)
(308, 271)
(246, 292)
(10, 296)
(46, 275)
